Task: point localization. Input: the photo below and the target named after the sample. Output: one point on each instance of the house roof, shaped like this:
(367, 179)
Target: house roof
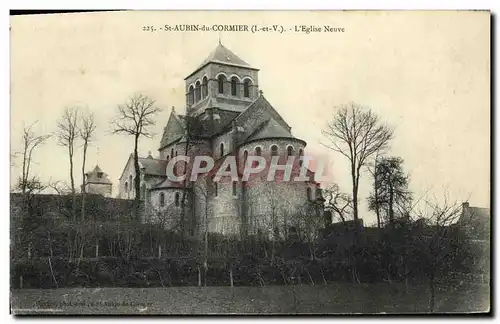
(97, 176)
(474, 214)
(153, 166)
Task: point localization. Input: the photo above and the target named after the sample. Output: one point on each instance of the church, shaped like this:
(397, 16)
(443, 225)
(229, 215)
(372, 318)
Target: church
(226, 114)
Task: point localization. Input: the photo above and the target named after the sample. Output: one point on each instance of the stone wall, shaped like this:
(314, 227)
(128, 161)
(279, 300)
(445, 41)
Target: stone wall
(103, 189)
(59, 206)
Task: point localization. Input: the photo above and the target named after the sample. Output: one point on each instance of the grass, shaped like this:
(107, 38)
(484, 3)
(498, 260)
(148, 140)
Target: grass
(338, 298)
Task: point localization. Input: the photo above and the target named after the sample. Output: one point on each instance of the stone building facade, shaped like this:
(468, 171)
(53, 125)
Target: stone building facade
(226, 115)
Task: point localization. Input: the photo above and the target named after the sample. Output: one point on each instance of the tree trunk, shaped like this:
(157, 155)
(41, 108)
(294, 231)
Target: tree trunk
(376, 188)
(355, 182)
(206, 274)
(205, 261)
(83, 180)
(184, 192)
(432, 291)
(406, 277)
(377, 202)
(391, 204)
(272, 252)
(72, 178)
(323, 274)
(309, 275)
(137, 180)
(311, 251)
(52, 272)
(25, 172)
(97, 249)
(231, 276)
(50, 245)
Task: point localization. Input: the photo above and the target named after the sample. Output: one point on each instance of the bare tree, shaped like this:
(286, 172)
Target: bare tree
(30, 141)
(67, 133)
(134, 118)
(434, 242)
(356, 133)
(86, 131)
(309, 224)
(59, 187)
(338, 202)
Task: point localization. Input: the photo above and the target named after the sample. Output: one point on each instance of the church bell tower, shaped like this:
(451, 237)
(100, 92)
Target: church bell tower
(222, 80)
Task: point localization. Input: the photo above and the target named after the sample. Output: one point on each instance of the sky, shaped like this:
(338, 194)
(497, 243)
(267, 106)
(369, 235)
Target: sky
(427, 74)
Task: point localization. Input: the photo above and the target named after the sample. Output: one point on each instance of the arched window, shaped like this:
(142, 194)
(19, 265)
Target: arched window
(130, 181)
(221, 80)
(234, 188)
(246, 88)
(234, 86)
(126, 186)
(258, 151)
(289, 151)
(301, 154)
(309, 194)
(274, 150)
(177, 199)
(204, 88)
(197, 91)
(168, 158)
(191, 95)
(221, 149)
(175, 153)
(162, 199)
(172, 152)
